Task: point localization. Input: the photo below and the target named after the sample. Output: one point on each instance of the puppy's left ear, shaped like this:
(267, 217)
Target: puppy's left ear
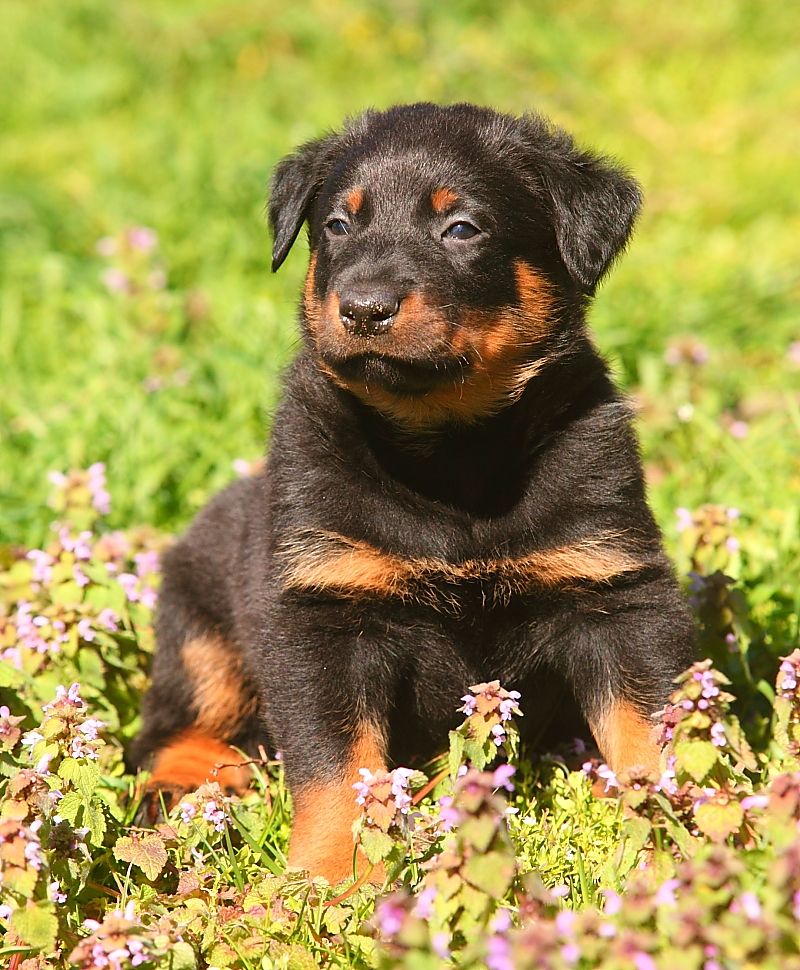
(593, 203)
(295, 182)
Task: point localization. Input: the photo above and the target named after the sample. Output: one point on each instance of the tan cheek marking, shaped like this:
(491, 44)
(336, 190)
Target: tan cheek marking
(324, 813)
(191, 759)
(311, 304)
(442, 199)
(329, 561)
(626, 738)
(536, 301)
(220, 691)
(354, 199)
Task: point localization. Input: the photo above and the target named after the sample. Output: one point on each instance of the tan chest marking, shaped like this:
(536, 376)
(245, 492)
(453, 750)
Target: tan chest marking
(327, 561)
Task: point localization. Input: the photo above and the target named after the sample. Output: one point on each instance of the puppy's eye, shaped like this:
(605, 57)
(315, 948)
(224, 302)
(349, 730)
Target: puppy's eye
(461, 230)
(337, 227)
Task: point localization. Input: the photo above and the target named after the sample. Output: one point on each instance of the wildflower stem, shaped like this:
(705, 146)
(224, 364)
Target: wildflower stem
(352, 889)
(428, 788)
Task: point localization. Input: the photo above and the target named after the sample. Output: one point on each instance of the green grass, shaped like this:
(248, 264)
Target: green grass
(172, 114)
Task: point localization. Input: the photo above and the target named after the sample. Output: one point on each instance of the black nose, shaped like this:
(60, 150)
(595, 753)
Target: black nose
(368, 312)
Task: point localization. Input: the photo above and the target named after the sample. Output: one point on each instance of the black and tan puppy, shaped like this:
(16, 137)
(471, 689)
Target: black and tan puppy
(453, 492)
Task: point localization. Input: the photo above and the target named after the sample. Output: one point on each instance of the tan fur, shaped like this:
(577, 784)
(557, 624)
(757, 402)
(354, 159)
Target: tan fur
(192, 758)
(627, 738)
(354, 199)
(326, 560)
(322, 833)
(442, 199)
(219, 686)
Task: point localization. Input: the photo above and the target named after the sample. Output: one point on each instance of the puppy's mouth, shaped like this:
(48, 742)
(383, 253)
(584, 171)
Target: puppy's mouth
(401, 376)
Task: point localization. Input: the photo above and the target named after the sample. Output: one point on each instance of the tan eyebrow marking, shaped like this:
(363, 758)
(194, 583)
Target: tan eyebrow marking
(442, 199)
(354, 199)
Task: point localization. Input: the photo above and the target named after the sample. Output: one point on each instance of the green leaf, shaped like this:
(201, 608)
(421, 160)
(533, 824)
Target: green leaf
(697, 758)
(147, 851)
(635, 834)
(478, 831)
(88, 777)
(70, 805)
(456, 755)
(491, 873)
(182, 957)
(718, 819)
(37, 925)
(376, 844)
(95, 821)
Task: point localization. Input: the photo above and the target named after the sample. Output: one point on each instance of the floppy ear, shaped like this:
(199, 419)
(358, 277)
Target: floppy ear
(594, 208)
(593, 202)
(295, 182)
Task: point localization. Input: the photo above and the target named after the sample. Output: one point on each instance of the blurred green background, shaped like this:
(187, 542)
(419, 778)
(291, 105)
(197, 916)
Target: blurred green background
(170, 115)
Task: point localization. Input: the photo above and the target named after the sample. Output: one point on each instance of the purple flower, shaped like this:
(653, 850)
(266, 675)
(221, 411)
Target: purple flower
(665, 896)
(718, 735)
(502, 777)
(739, 429)
(440, 944)
(608, 776)
(449, 817)
(748, 904)
(793, 353)
(402, 799)
(108, 619)
(389, 916)
(54, 893)
(142, 239)
(42, 566)
(86, 630)
(469, 705)
(498, 949)
(685, 519)
(613, 903)
(115, 280)
(146, 562)
(423, 908)
(187, 811)
(214, 814)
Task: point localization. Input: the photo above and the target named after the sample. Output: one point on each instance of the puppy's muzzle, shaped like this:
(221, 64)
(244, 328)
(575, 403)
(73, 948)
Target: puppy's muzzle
(368, 312)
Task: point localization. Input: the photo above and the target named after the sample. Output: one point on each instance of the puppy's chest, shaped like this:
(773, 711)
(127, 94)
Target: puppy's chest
(327, 562)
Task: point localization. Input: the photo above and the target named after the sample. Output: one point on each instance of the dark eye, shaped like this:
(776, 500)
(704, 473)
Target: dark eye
(461, 230)
(337, 227)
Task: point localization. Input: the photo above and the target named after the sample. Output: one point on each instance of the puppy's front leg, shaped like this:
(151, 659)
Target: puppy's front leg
(325, 808)
(326, 693)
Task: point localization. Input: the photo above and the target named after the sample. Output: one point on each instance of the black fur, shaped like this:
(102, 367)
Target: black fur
(555, 464)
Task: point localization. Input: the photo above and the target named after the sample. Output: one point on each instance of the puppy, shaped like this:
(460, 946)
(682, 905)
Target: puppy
(453, 491)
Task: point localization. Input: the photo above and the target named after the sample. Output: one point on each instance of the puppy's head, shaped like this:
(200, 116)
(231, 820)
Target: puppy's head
(450, 249)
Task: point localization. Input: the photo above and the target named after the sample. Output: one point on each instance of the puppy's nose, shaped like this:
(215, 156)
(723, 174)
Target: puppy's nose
(368, 312)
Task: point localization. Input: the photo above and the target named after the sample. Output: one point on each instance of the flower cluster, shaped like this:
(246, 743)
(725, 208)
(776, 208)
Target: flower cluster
(787, 706)
(385, 797)
(707, 534)
(207, 806)
(66, 731)
(134, 267)
(687, 351)
(75, 590)
(117, 943)
(488, 709)
(473, 870)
